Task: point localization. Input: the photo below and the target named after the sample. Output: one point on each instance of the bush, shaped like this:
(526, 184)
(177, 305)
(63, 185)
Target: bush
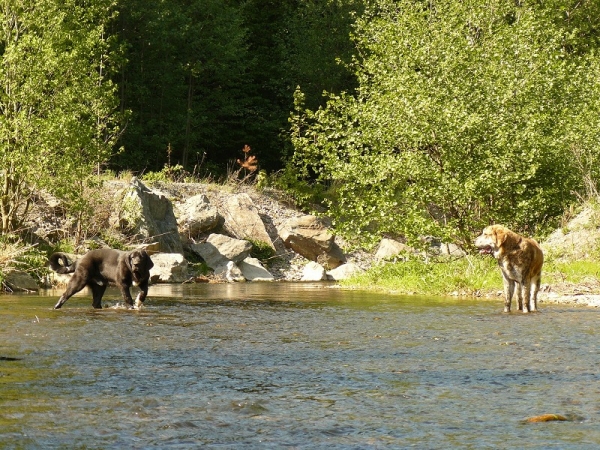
(261, 251)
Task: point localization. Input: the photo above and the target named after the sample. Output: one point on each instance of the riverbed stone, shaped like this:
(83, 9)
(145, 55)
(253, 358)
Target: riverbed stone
(196, 216)
(313, 271)
(309, 237)
(343, 272)
(169, 268)
(147, 214)
(389, 248)
(19, 281)
(219, 249)
(253, 270)
(230, 272)
(241, 220)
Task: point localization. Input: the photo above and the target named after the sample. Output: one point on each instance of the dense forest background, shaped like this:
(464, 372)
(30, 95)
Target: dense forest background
(405, 117)
(207, 77)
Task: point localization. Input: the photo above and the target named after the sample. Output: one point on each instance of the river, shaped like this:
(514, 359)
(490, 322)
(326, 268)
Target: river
(290, 365)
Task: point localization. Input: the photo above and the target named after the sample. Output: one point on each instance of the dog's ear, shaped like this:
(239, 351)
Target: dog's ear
(128, 260)
(500, 235)
(149, 263)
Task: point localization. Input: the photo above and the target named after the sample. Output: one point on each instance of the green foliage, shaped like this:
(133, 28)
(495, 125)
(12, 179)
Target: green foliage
(65, 246)
(578, 271)
(186, 68)
(196, 264)
(33, 261)
(167, 174)
(208, 76)
(57, 111)
(261, 250)
(15, 254)
(473, 275)
(463, 116)
(304, 193)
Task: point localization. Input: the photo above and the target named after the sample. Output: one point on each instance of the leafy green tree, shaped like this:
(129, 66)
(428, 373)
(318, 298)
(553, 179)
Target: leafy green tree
(460, 118)
(57, 108)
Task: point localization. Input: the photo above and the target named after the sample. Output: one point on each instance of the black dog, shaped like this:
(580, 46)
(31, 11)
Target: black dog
(100, 267)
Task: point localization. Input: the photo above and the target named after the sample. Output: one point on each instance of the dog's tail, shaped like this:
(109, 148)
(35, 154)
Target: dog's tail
(60, 263)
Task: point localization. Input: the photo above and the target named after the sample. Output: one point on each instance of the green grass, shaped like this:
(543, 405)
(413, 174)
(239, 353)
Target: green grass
(576, 272)
(472, 275)
(465, 276)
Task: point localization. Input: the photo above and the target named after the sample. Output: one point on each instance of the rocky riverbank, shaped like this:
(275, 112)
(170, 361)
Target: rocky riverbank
(222, 224)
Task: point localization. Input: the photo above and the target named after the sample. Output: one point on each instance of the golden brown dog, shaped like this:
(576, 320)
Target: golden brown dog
(520, 260)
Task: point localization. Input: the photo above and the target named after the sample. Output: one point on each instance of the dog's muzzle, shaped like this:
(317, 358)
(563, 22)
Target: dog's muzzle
(487, 250)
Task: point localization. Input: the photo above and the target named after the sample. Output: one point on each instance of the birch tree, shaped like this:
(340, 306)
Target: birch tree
(57, 104)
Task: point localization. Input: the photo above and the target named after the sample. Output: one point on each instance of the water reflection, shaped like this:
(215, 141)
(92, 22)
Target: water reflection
(291, 365)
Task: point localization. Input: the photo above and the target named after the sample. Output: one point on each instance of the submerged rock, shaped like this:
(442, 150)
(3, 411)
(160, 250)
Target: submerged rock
(546, 418)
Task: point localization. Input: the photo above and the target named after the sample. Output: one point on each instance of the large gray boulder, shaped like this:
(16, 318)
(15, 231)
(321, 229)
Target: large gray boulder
(307, 236)
(17, 280)
(196, 216)
(219, 249)
(243, 221)
(253, 270)
(169, 268)
(147, 214)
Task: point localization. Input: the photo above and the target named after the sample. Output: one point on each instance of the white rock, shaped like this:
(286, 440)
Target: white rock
(313, 272)
(343, 272)
(253, 270)
(168, 268)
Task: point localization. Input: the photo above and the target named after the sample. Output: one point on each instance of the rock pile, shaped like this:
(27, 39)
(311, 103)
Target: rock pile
(179, 222)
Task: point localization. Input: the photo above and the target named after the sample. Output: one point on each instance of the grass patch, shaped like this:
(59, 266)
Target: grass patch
(471, 275)
(581, 271)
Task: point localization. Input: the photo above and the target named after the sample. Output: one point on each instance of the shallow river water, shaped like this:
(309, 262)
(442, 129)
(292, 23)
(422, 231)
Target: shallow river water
(295, 366)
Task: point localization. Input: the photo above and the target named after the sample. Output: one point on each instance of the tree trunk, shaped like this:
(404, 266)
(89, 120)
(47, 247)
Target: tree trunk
(188, 123)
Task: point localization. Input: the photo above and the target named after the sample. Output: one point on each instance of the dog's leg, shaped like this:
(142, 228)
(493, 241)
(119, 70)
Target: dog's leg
(75, 285)
(126, 294)
(139, 300)
(97, 293)
(519, 296)
(509, 289)
(527, 295)
(61, 301)
(535, 287)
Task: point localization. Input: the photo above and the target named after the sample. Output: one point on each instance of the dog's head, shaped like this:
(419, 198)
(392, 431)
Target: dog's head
(140, 263)
(491, 239)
